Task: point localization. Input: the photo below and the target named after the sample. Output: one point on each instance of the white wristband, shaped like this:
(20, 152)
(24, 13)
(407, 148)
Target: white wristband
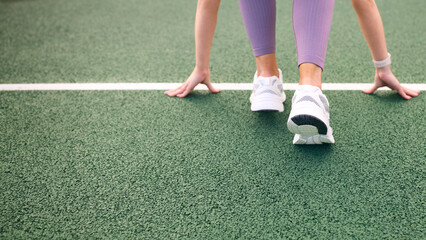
(383, 63)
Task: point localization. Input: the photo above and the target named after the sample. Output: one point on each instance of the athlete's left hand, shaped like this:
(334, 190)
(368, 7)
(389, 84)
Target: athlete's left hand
(193, 80)
(385, 78)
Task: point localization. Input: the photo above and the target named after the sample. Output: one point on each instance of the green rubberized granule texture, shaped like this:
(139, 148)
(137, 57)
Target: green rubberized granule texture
(138, 164)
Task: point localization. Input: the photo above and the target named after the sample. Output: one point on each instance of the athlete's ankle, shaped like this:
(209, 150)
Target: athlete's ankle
(310, 74)
(267, 65)
(311, 82)
(268, 73)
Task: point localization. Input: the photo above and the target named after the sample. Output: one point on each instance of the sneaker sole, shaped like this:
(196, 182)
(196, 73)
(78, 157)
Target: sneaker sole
(312, 140)
(267, 105)
(309, 130)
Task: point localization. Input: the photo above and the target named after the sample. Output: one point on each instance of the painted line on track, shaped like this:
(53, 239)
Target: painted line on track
(167, 86)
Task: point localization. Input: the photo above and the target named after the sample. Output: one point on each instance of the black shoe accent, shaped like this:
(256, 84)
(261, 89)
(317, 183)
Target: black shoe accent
(267, 110)
(310, 120)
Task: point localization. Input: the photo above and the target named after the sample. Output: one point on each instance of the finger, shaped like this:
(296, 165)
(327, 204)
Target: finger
(371, 90)
(401, 92)
(184, 93)
(168, 91)
(212, 88)
(189, 87)
(412, 92)
(176, 91)
(172, 92)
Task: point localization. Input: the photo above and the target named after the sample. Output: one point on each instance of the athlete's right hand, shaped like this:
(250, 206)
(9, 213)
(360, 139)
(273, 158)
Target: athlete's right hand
(193, 80)
(385, 78)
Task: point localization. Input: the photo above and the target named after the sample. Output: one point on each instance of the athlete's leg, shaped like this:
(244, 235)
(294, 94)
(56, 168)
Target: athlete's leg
(259, 20)
(309, 116)
(311, 24)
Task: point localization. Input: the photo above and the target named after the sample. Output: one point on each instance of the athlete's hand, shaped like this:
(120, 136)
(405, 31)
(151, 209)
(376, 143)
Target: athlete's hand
(385, 78)
(193, 80)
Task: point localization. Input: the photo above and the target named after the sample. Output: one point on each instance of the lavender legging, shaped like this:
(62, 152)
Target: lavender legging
(311, 25)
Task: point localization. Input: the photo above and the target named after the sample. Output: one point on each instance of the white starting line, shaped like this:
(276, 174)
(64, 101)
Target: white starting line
(167, 86)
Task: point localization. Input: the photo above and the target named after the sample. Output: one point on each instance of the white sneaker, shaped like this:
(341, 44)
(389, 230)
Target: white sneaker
(267, 94)
(310, 116)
